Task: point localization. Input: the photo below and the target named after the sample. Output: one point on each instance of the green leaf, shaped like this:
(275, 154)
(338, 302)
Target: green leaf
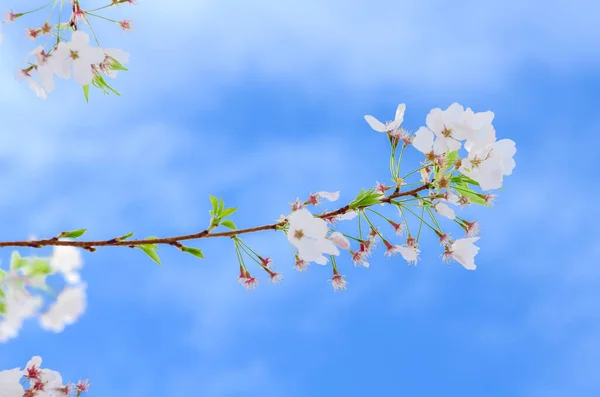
(2, 274)
(86, 92)
(215, 204)
(2, 308)
(467, 192)
(38, 267)
(16, 262)
(221, 206)
(228, 223)
(451, 158)
(150, 252)
(365, 199)
(227, 212)
(2, 294)
(116, 65)
(194, 251)
(73, 234)
(463, 179)
(125, 237)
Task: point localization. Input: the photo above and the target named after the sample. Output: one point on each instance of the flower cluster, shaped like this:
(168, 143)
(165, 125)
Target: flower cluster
(23, 287)
(76, 58)
(33, 381)
(444, 174)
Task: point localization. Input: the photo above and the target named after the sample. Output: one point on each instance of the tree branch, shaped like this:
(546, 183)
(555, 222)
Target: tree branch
(90, 245)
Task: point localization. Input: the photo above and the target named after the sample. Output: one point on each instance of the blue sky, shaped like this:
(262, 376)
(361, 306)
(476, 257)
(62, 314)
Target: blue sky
(262, 103)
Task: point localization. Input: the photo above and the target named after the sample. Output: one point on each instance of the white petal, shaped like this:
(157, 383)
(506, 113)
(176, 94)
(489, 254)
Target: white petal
(435, 120)
(444, 210)
(423, 140)
(375, 124)
(331, 196)
(82, 73)
(121, 56)
(39, 91)
(400, 114)
(79, 39)
(340, 240)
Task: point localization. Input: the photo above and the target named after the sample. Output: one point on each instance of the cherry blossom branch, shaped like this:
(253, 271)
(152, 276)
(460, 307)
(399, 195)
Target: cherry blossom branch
(174, 240)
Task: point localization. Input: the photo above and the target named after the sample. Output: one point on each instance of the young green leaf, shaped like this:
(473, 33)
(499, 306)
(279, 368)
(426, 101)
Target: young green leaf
(16, 262)
(227, 212)
(215, 204)
(150, 252)
(73, 234)
(467, 192)
(86, 92)
(228, 223)
(451, 158)
(194, 251)
(125, 237)
(38, 267)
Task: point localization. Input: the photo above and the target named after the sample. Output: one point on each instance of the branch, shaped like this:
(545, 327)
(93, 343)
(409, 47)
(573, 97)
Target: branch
(90, 245)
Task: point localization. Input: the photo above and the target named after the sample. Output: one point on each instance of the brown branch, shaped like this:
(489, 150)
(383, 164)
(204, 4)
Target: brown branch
(175, 240)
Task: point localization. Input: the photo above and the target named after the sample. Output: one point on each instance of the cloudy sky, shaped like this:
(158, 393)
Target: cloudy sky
(260, 102)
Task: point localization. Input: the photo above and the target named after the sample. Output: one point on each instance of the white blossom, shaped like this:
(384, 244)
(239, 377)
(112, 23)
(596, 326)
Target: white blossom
(489, 164)
(340, 240)
(463, 251)
(67, 260)
(308, 234)
(444, 210)
(82, 56)
(113, 54)
(68, 307)
(47, 65)
(410, 254)
(10, 383)
(19, 305)
(381, 127)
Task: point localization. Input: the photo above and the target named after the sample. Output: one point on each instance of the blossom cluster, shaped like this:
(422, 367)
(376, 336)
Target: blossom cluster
(24, 286)
(33, 381)
(76, 58)
(446, 177)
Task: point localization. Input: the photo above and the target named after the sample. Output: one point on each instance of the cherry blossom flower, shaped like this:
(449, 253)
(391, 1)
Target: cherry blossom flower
(471, 228)
(300, 264)
(69, 306)
(67, 260)
(83, 386)
(441, 124)
(340, 240)
(25, 74)
(112, 55)
(125, 25)
(10, 383)
(308, 234)
(475, 126)
(338, 282)
(444, 210)
(388, 127)
(489, 164)
(19, 304)
(359, 257)
(81, 56)
(464, 251)
(398, 227)
(314, 198)
(47, 65)
(33, 33)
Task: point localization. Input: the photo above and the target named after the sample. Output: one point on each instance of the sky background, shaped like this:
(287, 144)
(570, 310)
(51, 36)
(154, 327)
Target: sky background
(260, 102)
